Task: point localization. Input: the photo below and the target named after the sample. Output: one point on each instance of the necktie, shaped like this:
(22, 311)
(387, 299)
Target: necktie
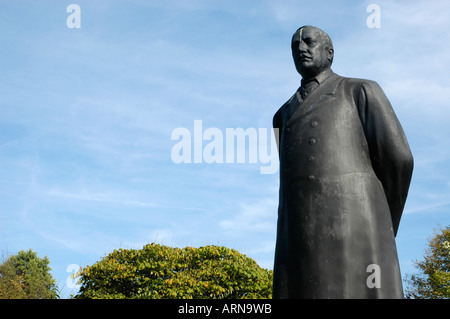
(307, 87)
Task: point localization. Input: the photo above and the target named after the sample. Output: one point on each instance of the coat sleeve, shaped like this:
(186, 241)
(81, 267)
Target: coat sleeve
(389, 151)
(277, 127)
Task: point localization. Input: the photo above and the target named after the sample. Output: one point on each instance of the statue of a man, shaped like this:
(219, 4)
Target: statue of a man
(345, 170)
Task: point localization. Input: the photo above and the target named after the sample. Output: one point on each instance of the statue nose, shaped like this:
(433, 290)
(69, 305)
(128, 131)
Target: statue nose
(302, 47)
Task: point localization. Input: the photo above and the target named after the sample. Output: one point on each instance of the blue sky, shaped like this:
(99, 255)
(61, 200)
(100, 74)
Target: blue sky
(86, 117)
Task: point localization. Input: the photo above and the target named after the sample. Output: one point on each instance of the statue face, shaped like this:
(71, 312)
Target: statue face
(310, 52)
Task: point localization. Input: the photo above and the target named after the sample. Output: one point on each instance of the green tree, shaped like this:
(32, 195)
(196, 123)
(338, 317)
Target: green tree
(162, 272)
(11, 284)
(26, 276)
(433, 280)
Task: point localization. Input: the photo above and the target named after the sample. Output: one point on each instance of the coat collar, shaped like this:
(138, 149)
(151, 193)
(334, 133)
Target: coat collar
(320, 78)
(298, 107)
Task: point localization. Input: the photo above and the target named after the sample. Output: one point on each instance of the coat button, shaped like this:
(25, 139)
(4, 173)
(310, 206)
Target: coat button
(314, 123)
(312, 141)
(288, 129)
(311, 178)
(311, 159)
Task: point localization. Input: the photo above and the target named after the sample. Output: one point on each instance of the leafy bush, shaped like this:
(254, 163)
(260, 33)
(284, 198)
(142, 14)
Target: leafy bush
(158, 271)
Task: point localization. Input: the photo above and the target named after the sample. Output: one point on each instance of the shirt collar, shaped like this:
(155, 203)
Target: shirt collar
(320, 78)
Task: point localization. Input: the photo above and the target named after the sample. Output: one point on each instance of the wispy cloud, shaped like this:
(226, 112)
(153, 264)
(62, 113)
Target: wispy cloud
(257, 216)
(427, 208)
(107, 197)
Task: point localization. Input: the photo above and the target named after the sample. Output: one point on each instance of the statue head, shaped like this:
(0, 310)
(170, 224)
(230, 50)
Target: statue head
(312, 51)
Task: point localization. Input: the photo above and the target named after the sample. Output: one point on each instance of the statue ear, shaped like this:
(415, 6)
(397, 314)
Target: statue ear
(330, 54)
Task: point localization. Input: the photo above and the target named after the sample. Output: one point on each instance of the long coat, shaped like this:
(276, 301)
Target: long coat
(345, 170)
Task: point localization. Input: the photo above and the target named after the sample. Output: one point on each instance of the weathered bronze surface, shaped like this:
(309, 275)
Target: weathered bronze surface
(345, 170)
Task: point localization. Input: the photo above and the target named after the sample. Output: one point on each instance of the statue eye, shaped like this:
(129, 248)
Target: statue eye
(310, 42)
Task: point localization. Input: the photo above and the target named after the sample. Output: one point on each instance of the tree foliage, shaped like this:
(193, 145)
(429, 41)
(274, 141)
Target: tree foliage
(161, 272)
(433, 281)
(26, 276)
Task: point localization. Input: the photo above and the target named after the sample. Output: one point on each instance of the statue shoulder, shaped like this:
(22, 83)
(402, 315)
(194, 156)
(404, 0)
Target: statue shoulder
(362, 83)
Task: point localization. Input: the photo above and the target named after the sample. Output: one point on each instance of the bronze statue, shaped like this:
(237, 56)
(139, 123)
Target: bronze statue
(345, 170)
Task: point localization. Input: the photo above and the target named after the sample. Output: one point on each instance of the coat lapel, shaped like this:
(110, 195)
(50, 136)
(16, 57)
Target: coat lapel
(323, 94)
